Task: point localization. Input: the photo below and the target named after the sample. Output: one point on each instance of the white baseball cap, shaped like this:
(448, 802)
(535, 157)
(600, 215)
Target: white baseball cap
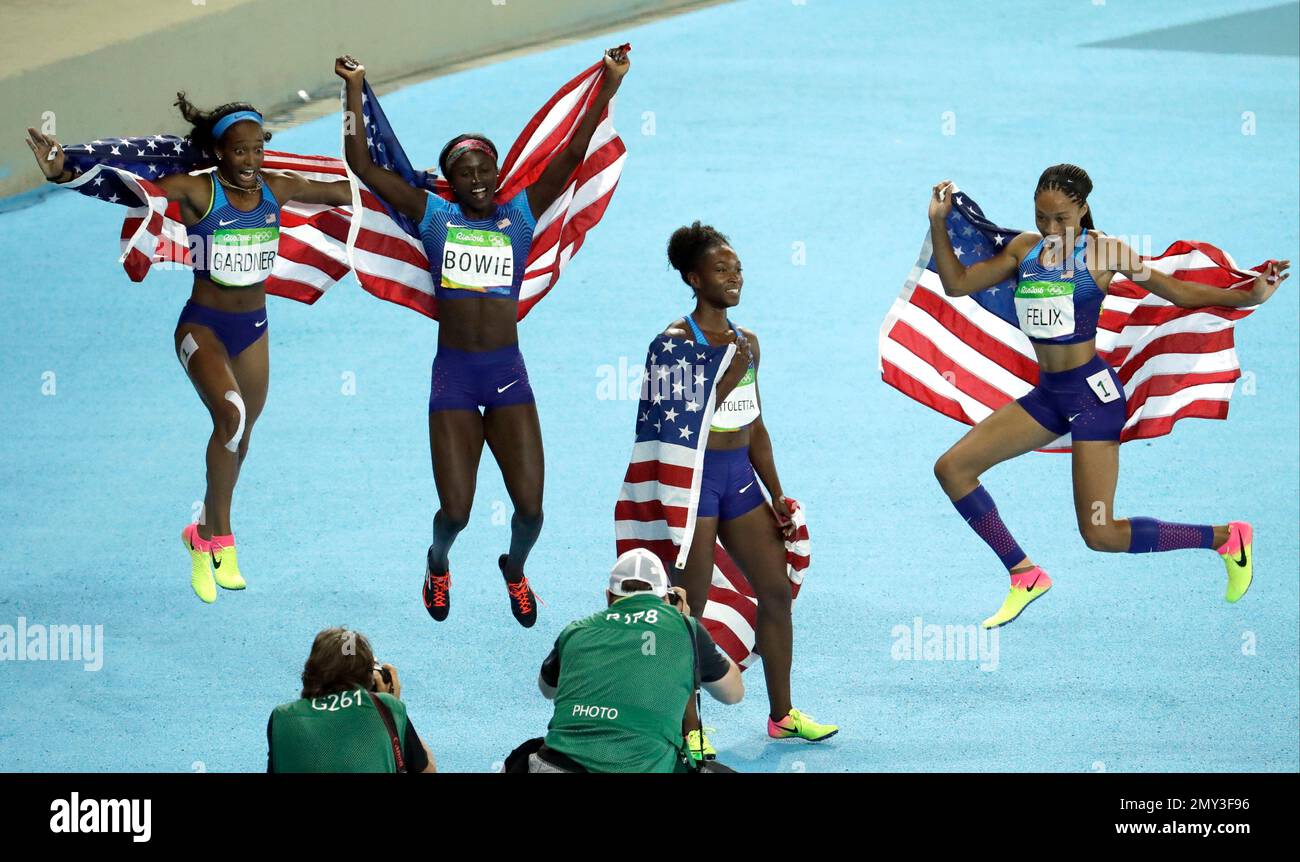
(638, 564)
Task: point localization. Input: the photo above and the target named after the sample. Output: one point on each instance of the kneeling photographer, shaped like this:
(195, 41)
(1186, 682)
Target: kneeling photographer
(350, 717)
(621, 677)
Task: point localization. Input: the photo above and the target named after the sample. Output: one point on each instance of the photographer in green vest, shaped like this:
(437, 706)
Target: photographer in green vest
(350, 718)
(621, 677)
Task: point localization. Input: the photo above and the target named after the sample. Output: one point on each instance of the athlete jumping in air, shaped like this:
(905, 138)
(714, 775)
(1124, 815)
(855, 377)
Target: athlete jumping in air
(1062, 276)
(232, 216)
(477, 249)
(738, 456)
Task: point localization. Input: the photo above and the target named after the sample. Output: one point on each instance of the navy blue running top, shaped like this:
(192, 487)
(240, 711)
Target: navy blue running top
(477, 257)
(237, 248)
(1056, 305)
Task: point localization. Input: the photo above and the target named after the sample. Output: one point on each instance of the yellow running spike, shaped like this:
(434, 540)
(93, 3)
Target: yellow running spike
(200, 565)
(225, 568)
(1238, 558)
(1025, 587)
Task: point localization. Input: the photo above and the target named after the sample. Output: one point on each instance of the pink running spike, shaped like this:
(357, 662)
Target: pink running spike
(1031, 579)
(1239, 533)
(196, 541)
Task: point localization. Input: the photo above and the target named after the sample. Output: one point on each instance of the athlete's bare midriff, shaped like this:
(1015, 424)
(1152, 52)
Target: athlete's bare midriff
(477, 324)
(233, 299)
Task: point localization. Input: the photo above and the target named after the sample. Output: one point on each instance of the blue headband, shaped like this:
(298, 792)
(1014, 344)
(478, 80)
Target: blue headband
(230, 119)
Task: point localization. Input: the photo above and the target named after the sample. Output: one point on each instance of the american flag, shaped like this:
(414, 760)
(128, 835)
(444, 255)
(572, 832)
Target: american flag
(312, 253)
(657, 504)
(384, 246)
(965, 356)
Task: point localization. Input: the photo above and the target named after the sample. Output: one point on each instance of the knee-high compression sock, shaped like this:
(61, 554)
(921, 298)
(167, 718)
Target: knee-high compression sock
(445, 532)
(978, 509)
(1147, 535)
(523, 535)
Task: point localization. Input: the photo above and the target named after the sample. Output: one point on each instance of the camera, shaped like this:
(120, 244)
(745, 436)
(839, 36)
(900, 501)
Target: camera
(674, 599)
(384, 674)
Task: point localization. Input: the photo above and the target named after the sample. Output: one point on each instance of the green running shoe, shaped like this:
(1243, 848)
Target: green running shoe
(699, 746)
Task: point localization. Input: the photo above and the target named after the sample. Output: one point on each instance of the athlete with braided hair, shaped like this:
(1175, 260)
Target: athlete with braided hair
(1062, 274)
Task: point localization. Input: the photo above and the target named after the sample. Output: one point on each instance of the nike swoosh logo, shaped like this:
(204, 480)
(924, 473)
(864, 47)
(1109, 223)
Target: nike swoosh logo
(746, 488)
(1241, 556)
(221, 223)
(501, 389)
(263, 323)
(1031, 586)
(1072, 418)
(216, 562)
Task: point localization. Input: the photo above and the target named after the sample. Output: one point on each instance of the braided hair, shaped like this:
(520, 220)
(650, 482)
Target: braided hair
(1071, 181)
(473, 136)
(202, 123)
(688, 244)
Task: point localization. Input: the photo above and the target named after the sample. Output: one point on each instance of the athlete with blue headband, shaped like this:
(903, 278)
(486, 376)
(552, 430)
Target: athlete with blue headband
(1062, 275)
(477, 249)
(232, 217)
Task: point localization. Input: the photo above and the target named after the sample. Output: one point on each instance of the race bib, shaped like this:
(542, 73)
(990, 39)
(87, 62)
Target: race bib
(741, 406)
(1103, 386)
(243, 256)
(477, 260)
(1045, 309)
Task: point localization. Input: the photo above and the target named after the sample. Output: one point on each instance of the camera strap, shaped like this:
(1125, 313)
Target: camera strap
(387, 716)
(695, 690)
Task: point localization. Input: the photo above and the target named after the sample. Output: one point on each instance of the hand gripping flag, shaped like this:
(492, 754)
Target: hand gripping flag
(384, 246)
(312, 254)
(965, 357)
(657, 505)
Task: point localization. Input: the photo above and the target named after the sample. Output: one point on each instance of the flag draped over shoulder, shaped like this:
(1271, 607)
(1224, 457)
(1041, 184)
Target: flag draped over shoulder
(965, 356)
(311, 256)
(657, 504)
(384, 246)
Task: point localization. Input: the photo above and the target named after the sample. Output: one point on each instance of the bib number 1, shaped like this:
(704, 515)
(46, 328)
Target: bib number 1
(1103, 386)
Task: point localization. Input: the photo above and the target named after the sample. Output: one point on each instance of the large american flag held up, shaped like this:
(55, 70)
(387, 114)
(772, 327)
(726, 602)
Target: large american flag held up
(657, 504)
(312, 254)
(965, 357)
(384, 246)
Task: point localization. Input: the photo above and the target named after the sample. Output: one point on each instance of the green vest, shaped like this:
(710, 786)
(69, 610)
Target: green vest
(339, 732)
(626, 674)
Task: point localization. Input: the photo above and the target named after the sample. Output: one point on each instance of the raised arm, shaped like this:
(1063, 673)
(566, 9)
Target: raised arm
(395, 191)
(189, 191)
(957, 278)
(293, 186)
(543, 192)
(1116, 256)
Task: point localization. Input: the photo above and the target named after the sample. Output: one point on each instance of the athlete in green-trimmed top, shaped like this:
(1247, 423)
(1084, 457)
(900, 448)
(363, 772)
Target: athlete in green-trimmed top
(621, 677)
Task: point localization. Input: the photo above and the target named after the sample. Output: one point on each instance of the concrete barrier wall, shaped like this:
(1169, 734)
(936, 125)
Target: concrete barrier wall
(96, 68)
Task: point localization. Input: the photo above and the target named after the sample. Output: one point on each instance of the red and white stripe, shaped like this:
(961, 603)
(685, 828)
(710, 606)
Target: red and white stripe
(953, 356)
(312, 253)
(656, 510)
(313, 237)
(392, 265)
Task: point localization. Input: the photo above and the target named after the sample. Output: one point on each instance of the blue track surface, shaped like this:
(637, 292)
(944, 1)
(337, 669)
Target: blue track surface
(779, 123)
